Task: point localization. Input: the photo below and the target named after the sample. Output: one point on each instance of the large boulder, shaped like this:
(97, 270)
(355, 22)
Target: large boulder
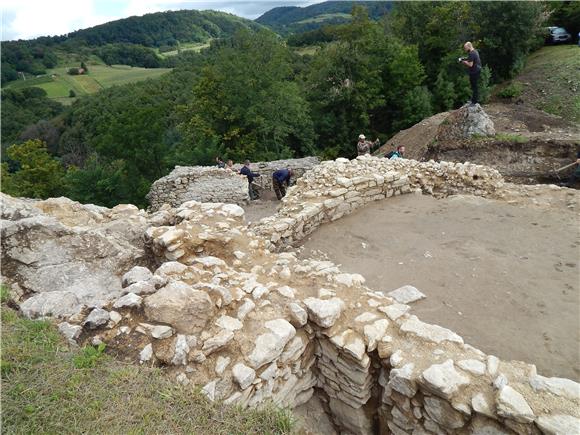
(473, 121)
(178, 304)
(61, 245)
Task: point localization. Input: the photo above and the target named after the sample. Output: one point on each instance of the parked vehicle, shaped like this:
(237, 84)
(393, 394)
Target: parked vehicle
(558, 35)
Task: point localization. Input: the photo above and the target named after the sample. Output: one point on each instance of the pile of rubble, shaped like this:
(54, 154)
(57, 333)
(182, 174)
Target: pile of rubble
(212, 301)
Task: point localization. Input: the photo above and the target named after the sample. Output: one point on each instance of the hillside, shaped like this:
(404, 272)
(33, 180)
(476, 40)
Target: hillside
(530, 143)
(292, 19)
(135, 41)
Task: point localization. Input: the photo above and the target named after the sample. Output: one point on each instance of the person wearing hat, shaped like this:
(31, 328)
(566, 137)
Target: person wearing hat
(364, 146)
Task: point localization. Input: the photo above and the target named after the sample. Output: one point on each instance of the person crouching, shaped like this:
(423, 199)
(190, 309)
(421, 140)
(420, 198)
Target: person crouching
(279, 178)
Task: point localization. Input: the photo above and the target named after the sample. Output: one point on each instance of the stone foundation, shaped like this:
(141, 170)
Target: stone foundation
(212, 184)
(222, 309)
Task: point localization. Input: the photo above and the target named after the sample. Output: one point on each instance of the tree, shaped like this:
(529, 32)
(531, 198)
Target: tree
(71, 93)
(39, 175)
(245, 104)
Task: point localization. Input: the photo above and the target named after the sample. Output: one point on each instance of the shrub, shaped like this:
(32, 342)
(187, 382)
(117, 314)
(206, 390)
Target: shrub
(513, 90)
(72, 94)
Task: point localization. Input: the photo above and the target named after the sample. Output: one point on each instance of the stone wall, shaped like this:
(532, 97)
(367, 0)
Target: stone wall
(223, 310)
(336, 188)
(212, 184)
(198, 183)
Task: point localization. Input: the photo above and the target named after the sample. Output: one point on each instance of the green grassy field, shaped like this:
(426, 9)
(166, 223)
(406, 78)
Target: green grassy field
(51, 388)
(187, 46)
(58, 84)
(550, 81)
(324, 17)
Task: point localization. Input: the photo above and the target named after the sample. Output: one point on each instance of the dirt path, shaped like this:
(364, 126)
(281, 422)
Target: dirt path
(506, 278)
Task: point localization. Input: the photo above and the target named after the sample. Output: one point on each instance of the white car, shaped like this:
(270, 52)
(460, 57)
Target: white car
(558, 34)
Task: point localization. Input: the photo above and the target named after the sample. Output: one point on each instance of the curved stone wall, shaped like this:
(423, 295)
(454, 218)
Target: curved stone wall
(334, 189)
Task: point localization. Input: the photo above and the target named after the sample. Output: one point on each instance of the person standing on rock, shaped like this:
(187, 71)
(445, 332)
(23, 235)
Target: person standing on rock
(279, 178)
(251, 175)
(473, 63)
(364, 146)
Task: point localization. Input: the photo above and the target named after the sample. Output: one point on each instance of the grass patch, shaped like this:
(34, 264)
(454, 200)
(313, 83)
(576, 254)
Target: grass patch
(513, 90)
(186, 46)
(47, 388)
(517, 138)
(58, 84)
(324, 17)
(552, 79)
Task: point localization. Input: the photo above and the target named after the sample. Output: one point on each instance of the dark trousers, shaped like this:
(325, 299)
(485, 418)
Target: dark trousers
(474, 82)
(279, 189)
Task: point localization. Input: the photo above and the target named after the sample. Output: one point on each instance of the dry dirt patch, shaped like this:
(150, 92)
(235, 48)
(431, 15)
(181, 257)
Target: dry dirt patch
(504, 277)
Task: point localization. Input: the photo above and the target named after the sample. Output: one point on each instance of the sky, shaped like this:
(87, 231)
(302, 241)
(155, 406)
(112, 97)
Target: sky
(25, 19)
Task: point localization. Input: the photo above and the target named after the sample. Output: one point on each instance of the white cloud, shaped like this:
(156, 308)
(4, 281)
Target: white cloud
(24, 19)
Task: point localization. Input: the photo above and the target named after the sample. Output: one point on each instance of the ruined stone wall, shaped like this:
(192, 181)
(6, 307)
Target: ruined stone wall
(334, 189)
(212, 184)
(198, 183)
(225, 311)
(253, 326)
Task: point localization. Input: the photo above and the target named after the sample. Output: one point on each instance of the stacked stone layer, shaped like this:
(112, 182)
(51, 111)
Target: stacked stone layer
(212, 184)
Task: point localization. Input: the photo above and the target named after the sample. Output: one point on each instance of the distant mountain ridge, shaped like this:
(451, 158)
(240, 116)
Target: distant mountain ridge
(294, 19)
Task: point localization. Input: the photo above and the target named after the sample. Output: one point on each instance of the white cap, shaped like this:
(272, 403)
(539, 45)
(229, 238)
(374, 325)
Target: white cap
(361, 136)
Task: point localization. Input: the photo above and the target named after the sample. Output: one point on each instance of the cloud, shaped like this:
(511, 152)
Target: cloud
(25, 19)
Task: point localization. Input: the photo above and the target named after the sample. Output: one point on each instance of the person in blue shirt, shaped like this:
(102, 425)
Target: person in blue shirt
(251, 175)
(279, 178)
(399, 154)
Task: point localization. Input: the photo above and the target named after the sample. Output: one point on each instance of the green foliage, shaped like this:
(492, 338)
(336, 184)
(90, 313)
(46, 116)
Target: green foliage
(290, 19)
(565, 14)
(43, 391)
(88, 356)
(246, 102)
(513, 90)
(39, 175)
(485, 87)
(439, 28)
(21, 108)
(4, 293)
(129, 54)
(72, 94)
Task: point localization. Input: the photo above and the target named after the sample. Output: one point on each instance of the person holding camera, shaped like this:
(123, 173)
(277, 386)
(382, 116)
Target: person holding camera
(473, 63)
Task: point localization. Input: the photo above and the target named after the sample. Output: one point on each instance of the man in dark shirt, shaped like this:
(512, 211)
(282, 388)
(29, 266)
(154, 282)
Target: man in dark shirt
(473, 62)
(279, 178)
(251, 175)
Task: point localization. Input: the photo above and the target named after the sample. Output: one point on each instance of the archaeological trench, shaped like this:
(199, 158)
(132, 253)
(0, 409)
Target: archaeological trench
(232, 308)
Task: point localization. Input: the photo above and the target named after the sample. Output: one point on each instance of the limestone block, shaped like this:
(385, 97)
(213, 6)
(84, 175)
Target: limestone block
(217, 342)
(511, 404)
(96, 318)
(406, 294)
(178, 304)
(443, 413)
(243, 375)
(130, 300)
(433, 333)
(403, 380)
(558, 424)
(443, 380)
(269, 346)
(324, 312)
(472, 366)
(135, 275)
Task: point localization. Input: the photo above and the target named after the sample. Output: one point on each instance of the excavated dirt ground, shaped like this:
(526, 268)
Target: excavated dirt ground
(504, 277)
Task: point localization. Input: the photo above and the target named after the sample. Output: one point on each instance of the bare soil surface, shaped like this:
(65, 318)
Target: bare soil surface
(267, 205)
(504, 277)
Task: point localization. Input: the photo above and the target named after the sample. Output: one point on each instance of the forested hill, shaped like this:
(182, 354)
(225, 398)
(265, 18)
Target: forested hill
(293, 19)
(134, 41)
(165, 28)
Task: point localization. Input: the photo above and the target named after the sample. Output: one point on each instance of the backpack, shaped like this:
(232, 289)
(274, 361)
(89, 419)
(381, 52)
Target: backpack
(390, 154)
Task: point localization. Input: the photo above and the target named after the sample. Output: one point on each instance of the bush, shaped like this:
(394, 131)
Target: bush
(513, 90)
(72, 94)
(73, 71)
